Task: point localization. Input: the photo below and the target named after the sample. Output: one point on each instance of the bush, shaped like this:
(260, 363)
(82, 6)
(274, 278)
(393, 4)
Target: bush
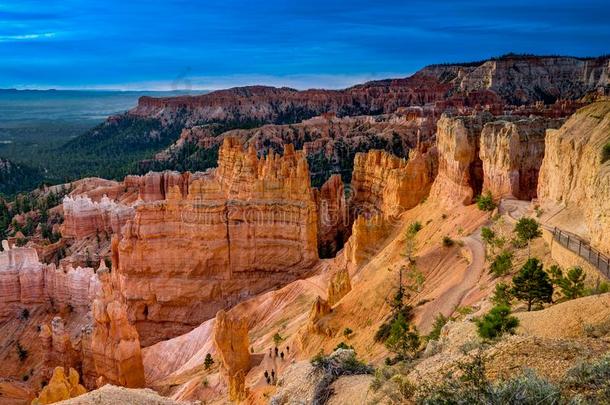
(532, 284)
(448, 242)
(414, 228)
(21, 352)
(496, 322)
(402, 341)
(440, 321)
(277, 338)
(501, 295)
(526, 389)
(592, 380)
(339, 363)
(485, 202)
(208, 362)
(502, 264)
(572, 285)
(25, 314)
(606, 153)
(487, 235)
(343, 345)
(347, 332)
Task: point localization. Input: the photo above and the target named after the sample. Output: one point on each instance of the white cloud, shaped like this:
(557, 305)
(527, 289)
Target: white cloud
(26, 37)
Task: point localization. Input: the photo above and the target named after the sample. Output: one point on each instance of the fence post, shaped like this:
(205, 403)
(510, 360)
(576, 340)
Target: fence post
(579, 245)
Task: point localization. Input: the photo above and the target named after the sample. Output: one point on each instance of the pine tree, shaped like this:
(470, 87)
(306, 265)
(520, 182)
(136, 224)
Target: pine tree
(532, 284)
(208, 362)
(572, 285)
(528, 229)
(496, 322)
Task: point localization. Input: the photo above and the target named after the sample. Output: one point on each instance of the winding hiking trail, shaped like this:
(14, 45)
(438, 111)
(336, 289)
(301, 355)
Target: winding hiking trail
(456, 288)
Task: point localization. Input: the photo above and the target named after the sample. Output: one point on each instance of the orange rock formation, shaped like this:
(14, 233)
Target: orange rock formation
(249, 226)
(60, 387)
(113, 344)
(231, 339)
(338, 286)
(384, 183)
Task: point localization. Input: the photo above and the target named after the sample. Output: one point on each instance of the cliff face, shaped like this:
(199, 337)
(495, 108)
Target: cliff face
(84, 217)
(460, 170)
(512, 153)
(573, 173)
(525, 79)
(383, 183)
(515, 79)
(112, 346)
(24, 280)
(333, 217)
(154, 186)
(249, 226)
(485, 153)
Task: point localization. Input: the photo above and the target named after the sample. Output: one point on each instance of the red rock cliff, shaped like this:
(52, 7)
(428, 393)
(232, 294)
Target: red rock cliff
(249, 226)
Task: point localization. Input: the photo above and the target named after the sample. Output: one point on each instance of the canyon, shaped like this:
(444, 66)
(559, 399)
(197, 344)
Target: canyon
(226, 284)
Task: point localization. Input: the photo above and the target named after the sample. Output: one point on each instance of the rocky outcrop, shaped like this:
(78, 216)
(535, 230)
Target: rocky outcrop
(338, 286)
(84, 217)
(460, 170)
(367, 235)
(574, 173)
(112, 343)
(333, 217)
(60, 387)
(249, 226)
(231, 339)
(24, 281)
(385, 184)
(512, 153)
(154, 186)
(483, 152)
(315, 323)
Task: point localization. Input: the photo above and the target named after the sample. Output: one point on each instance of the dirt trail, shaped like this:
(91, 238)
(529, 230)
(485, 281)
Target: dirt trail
(459, 286)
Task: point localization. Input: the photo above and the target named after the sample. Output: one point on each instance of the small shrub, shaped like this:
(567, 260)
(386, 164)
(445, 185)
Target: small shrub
(501, 295)
(592, 380)
(572, 285)
(277, 338)
(25, 314)
(448, 242)
(383, 332)
(526, 389)
(402, 341)
(208, 362)
(347, 332)
(487, 235)
(496, 322)
(502, 264)
(606, 153)
(21, 352)
(465, 310)
(343, 345)
(485, 202)
(414, 228)
(440, 321)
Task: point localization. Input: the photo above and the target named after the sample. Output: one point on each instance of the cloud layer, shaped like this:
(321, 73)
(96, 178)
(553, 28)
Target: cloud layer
(219, 43)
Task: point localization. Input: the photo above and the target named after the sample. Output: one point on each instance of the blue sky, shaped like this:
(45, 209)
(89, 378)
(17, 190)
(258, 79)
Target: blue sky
(173, 44)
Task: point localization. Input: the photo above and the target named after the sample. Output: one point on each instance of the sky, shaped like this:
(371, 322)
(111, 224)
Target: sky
(179, 44)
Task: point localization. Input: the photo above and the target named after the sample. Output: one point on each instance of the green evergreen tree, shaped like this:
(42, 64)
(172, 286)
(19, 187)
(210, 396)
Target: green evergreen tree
(402, 341)
(208, 362)
(528, 229)
(496, 322)
(572, 285)
(532, 284)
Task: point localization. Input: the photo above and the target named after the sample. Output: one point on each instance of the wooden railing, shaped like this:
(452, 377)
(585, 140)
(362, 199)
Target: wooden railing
(583, 249)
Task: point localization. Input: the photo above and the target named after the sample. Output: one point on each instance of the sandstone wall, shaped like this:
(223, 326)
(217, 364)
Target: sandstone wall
(512, 153)
(333, 217)
(248, 227)
(573, 174)
(24, 281)
(84, 217)
(383, 183)
(154, 186)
